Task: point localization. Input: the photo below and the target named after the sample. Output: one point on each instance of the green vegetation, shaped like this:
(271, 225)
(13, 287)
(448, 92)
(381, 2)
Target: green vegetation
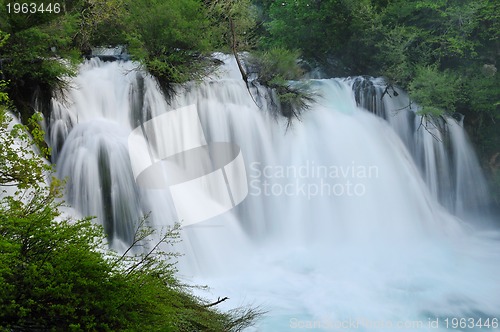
(437, 91)
(172, 39)
(320, 29)
(279, 70)
(406, 41)
(55, 273)
(31, 59)
(169, 37)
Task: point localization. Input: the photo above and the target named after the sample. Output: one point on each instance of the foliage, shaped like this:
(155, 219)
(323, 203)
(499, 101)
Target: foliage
(393, 54)
(169, 38)
(277, 63)
(4, 96)
(37, 54)
(495, 179)
(233, 22)
(393, 38)
(483, 91)
(276, 69)
(435, 90)
(20, 168)
(291, 25)
(37, 42)
(319, 29)
(55, 273)
(448, 59)
(100, 22)
(236, 24)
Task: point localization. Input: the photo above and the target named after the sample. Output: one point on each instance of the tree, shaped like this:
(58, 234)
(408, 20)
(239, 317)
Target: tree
(31, 59)
(170, 38)
(234, 23)
(321, 30)
(100, 23)
(436, 91)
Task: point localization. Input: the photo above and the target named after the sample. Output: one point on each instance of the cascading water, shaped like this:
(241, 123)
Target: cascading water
(341, 223)
(439, 146)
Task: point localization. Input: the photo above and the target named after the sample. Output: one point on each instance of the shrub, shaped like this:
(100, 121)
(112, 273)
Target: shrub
(279, 70)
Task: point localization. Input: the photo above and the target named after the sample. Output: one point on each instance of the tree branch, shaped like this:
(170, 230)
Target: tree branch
(244, 75)
(219, 300)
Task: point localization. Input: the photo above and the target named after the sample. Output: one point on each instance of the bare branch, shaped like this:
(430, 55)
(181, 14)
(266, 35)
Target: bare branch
(219, 300)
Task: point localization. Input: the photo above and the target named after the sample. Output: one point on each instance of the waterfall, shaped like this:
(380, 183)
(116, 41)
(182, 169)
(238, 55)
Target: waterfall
(347, 216)
(439, 147)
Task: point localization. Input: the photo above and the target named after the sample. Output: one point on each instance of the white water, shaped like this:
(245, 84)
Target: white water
(345, 228)
(440, 147)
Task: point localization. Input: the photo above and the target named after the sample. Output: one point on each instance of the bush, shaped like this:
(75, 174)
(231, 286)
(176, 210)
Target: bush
(436, 91)
(169, 37)
(276, 69)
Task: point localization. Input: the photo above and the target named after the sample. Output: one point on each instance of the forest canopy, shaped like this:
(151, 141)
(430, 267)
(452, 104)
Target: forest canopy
(407, 42)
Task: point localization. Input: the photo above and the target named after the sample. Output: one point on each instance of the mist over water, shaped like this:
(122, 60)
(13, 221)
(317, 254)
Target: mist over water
(356, 214)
